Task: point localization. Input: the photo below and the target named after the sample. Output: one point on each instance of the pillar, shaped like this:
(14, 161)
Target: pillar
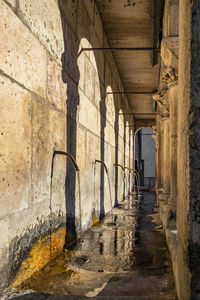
(166, 160)
(165, 165)
(159, 158)
(157, 139)
(173, 95)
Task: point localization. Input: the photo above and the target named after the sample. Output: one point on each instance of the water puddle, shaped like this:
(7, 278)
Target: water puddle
(126, 243)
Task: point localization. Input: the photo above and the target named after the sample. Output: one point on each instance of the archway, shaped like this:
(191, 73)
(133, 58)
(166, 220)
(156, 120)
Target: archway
(144, 147)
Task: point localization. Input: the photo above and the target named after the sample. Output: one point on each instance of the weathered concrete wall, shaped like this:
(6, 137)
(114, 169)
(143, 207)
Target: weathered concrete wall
(54, 98)
(188, 152)
(180, 210)
(183, 151)
(33, 121)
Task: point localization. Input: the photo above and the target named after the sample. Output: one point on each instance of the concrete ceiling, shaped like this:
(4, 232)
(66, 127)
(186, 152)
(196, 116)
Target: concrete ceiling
(128, 24)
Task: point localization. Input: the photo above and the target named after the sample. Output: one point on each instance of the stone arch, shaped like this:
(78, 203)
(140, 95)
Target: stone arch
(88, 145)
(144, 149)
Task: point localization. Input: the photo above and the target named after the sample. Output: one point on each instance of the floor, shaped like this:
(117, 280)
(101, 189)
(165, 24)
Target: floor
(124, 256)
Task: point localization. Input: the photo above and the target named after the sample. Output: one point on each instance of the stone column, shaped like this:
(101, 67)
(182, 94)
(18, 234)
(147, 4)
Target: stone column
(159, 161)
(166, 162)
(173, 98)
(157, 139)
(157, 175)
(161, 157)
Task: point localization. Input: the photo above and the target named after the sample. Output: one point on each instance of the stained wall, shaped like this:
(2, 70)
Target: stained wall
(55, 97)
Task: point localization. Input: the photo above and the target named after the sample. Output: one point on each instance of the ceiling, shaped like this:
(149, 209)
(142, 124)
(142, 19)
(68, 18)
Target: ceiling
(128, 24)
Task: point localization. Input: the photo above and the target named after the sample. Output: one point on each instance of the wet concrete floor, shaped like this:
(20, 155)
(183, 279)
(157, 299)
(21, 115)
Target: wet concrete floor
(124, 256)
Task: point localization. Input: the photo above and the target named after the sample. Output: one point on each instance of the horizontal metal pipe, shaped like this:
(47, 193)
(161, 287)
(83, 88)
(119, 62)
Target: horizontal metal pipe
(131, 93)
(146, 134)
(118, 165)
(132, 113)
(121, 49)
(128, 169)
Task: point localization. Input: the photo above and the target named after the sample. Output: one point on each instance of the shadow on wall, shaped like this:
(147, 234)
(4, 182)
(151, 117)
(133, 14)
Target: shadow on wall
(69, 59)
(102, 149)
(71, 77)
(116, 128)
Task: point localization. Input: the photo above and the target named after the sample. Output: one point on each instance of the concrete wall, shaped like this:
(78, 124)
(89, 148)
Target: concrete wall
(188, 152)
(53, 97)
(178, 143)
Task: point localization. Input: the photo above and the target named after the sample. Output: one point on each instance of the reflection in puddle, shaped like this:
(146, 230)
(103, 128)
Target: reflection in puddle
(125, 241)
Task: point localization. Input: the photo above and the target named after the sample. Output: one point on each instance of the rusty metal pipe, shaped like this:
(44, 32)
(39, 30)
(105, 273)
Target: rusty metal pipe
(118, 165)
(131, 93)
(101, 162)
(119, 49)
(67, 154)
(58, 152)
(139, 114)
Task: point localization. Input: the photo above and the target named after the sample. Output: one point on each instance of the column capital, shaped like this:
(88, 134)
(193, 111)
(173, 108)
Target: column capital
(161, 99)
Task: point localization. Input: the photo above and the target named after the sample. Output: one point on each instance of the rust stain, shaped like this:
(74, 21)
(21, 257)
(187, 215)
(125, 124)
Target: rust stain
(39, 255)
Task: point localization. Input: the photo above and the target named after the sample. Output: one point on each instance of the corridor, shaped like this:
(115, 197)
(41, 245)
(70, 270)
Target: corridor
(124, 256)
(99, 101)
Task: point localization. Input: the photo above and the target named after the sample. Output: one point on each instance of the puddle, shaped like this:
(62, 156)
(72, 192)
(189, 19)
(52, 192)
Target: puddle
(126, 242)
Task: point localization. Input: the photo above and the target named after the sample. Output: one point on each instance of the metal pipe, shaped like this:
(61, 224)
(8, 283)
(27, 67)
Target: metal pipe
(109, 184)
(134, 93)
(139, 114)
(135, 180)
(58, 152)
(67, 154)
(130, 170)
(101, 162)
(118, 165)
(138, 179)
(124, 175)
(119, 49)
(127, 168)
(146, 134)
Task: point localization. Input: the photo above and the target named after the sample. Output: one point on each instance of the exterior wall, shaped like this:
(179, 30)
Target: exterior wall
(180, 209)
(54, 98)
(183, 168)
(188, 152)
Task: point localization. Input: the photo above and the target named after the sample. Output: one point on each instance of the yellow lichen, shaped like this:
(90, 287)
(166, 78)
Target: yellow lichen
(40, 255)
(94, 219)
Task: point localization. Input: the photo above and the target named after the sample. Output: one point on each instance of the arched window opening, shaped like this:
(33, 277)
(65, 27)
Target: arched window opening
(145, 157)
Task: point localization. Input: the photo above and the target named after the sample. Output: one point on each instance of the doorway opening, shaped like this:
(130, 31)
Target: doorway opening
(144, 146)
